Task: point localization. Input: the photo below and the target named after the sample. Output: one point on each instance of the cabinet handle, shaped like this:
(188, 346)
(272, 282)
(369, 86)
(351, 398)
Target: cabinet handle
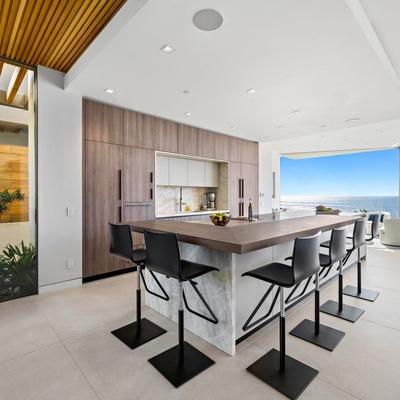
(242, 188)
(273, 186)
(151, 177)
(151, 193)
(120, 184)
(151, 185)
(120, 214)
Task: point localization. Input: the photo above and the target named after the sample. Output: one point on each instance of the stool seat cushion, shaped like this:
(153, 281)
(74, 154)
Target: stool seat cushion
(275, 273)
(192, 270)
(324, 260)
(326, 244)
(139, 255)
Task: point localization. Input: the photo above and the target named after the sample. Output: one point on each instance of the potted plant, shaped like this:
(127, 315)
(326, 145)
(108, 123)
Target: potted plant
(7, 197)
(326, 210)
(18, 271)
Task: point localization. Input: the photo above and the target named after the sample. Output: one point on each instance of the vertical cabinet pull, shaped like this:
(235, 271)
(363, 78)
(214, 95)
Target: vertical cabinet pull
(120, 184)
(242, 188)
(119, 214)
(151, 185)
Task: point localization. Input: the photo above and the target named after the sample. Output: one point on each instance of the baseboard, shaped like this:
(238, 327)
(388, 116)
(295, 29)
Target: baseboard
(109, 274)
(60, 285)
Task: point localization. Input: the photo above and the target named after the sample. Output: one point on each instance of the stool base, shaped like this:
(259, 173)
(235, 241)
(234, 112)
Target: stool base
(132, 337)
(181, 370)
(348, 313)
(292, 382)
(327, 338)
(365, 294)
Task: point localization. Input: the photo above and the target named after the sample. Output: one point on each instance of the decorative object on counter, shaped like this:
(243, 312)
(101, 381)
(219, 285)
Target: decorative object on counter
(188, 208)
(321, 210)
(220, 219)
(6, 198)
(364, 212)
(250, 211)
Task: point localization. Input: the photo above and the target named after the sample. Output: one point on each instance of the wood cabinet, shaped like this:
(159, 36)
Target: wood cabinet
(166, 135)
(187, 140)
(138, 175)
(138, 212)
(102, 122)
(243, 186)
(206, 144)
(221, 146)
(138, 130)
(243, 151)
(102, 204)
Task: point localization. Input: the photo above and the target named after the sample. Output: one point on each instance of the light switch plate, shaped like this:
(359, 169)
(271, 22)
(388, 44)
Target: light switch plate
(69, 263)
(70, 211)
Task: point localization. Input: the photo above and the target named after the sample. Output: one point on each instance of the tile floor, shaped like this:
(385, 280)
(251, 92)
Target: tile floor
(58, 346)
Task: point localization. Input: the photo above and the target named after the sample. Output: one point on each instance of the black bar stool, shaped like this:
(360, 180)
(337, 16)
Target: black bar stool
(275, 368)
(182, 362)
(314, 332)
(359, 292)
(337, 308)
(142, 330)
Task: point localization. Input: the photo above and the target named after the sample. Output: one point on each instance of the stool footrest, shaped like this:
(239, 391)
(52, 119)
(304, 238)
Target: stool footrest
(179, 367)
(327, 338)
(292, 382)
(365, 294)
(134, 334)
(349, 313)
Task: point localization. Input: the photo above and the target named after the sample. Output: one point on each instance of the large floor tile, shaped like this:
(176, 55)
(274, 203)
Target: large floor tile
(45, 374)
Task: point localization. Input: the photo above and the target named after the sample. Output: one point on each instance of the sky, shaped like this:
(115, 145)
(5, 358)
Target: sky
(374, 173)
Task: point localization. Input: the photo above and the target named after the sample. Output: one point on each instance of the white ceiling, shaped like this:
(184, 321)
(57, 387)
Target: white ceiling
(308, 55)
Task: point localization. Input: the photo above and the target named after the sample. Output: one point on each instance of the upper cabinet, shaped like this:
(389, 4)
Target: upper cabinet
(187, 140)
(102, 122)
(221, 148)
(206, 144)
(138, 130)
(178, 171)
(211, 178)
(166, 135)
(162, 170)
(243, 151)
(196, 173)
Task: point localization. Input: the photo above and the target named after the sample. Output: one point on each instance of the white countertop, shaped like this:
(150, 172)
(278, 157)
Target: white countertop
(189, 213)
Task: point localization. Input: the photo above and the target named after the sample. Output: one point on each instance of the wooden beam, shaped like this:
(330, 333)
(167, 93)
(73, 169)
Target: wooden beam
(15, 82)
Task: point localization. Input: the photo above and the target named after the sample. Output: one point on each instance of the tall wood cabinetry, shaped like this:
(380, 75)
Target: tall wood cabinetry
(119, 165)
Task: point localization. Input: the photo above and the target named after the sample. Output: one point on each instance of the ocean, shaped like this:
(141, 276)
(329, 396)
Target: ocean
(349, 203)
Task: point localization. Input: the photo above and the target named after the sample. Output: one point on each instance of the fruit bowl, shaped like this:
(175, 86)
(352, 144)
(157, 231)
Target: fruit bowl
(220, 219)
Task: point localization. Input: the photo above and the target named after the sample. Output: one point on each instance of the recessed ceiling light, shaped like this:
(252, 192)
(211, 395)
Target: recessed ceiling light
(294, 111)
(280, 126)
(188, 114)
(233, 127)
(323, 126)
(352, 119)
(207, 20)
(381, 131)
(167, 49)
(251, 91)
(108, 90)
(186, 91)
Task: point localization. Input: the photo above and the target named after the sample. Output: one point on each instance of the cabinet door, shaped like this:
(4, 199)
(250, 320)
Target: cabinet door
(221, 147)
(250, 187)
(162, 170)
(178, 171)
(235, 149)
(234, 171)
(210, 174)
(206, 144)
(138, 130)
(187, 140)
(196, 173)
(249, 152)
(138, 212)
(166, 135)
(102, 194)
(102, 122)
(138, 175)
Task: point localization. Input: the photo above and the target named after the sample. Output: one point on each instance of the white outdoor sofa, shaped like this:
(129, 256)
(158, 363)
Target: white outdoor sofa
(390, 233)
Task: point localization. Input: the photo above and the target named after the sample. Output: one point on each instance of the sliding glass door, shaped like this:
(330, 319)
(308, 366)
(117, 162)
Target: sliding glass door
(18, 261)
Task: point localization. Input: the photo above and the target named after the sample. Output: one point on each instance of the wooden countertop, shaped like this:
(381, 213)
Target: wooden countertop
(244, 237)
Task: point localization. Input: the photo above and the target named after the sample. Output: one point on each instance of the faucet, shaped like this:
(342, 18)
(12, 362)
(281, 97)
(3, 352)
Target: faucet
(181, 203)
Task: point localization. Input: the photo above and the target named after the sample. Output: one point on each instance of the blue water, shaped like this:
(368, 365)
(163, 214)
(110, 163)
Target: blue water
(351, 203)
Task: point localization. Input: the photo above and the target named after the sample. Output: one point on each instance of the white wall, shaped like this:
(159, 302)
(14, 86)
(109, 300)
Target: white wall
(269, 162)
(59, 179)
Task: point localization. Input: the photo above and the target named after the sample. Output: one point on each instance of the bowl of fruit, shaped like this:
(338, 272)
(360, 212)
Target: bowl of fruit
(220, 219)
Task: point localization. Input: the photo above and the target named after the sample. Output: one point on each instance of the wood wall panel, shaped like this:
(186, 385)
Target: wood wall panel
(52, 33)
(206, 144)
(166, 135)
(138, 130)
(14, 174)
(222, 143)
(187, 140)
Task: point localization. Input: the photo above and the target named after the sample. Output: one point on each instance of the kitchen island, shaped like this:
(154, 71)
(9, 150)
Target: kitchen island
(233, 249)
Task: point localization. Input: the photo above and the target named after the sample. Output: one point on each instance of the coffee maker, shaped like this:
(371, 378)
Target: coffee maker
(209, 201)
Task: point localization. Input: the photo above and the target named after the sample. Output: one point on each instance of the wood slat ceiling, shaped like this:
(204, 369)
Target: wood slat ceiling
(52, 33)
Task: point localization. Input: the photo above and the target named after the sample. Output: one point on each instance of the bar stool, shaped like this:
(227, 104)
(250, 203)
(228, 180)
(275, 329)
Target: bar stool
(359, 292)
(275, 368)
(314, 332)
(142, 330)
(182, 362)
(337, 308)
